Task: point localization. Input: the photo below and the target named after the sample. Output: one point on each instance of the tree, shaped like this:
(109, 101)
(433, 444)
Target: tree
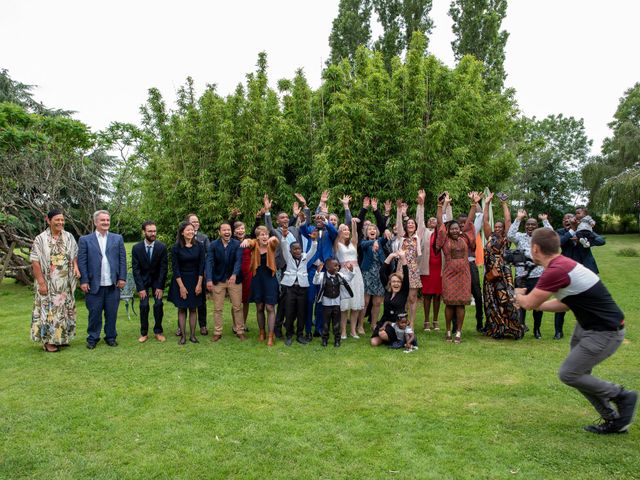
(548, 179)
(46, 162)
(613, 178)
(399, 19)
(476, 25)
(351, 28)
(21, 94)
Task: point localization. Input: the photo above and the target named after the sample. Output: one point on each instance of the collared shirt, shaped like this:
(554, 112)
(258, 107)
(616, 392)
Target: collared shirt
(148, 247)
(330, 302)
(105, 268)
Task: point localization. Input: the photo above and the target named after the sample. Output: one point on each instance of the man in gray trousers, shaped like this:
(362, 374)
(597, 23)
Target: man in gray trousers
(598, 333)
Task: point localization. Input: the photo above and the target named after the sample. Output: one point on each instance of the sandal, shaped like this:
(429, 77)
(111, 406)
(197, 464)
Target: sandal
(457, 339)
(448, 337)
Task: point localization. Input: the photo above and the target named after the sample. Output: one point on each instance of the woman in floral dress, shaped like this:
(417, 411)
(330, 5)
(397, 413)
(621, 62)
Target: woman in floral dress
(502, 317)
(407, 232)
(54, 259)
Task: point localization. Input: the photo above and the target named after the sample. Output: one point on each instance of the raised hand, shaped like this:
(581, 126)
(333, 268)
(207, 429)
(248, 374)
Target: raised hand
(296, 209)
(403, 208)
(543, 216)
(374, 203)
(489, 197)
(301, 199)
(399, 203)
(521, 214)
(324, 197)
(366, 201)
(313, 235)
(345, 201)
(266, 202)
(235, 212)
(421, 196)
(447, 198)
(320, 266)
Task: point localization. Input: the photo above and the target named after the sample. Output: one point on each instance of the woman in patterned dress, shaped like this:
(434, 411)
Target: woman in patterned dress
(456, 243)
(346, 252)
(373, 257)
(407, 231)
(54, 259)
(501, 314)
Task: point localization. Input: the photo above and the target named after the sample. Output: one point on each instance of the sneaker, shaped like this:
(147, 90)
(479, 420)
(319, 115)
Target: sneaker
(585, 243)
(627, 402)
(605, 427)
(302, 340)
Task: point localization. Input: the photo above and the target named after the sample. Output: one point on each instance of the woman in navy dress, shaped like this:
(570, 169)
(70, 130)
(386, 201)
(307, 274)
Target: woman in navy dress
(187, 262)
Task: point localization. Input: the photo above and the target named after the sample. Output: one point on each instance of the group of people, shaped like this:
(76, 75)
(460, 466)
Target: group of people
(314, 276)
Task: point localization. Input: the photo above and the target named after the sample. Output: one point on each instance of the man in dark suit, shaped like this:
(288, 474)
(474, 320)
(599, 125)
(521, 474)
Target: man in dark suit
(223, 274)
(102, 261)
(149, 266)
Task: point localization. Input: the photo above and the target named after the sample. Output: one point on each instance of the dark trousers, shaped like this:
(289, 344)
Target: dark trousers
(105, 300)
(158, 313)
(202, 312)
(558, 320)
(530, 284)
(281, 309)
(476, 291)
(295, 308)
(331, 317)
(311, 298)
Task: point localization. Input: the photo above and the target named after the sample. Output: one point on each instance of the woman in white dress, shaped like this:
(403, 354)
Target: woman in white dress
(346, 252)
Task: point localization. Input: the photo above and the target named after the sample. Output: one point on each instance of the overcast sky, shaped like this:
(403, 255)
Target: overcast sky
(574, 57)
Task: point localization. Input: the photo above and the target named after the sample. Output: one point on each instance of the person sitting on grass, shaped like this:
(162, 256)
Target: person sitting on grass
(397, 334)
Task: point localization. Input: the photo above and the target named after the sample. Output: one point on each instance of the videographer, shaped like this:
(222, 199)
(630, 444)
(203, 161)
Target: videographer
(598, 333)
(528, 276)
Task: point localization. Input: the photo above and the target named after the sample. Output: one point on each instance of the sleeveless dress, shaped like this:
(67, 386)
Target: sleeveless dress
(264, 285)
(410, 245)
(349, 255)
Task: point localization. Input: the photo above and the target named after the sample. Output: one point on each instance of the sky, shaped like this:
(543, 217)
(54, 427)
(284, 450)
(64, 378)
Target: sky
(99, 58)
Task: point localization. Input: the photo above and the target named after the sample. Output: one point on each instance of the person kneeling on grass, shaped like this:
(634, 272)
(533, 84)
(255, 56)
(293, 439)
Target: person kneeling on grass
(598, 333)
(396, 334)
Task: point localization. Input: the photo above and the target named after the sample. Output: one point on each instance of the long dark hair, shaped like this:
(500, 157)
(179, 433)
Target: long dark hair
(180, 237)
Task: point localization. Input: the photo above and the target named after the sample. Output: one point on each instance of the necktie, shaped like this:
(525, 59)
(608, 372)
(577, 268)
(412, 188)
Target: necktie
(149, 251)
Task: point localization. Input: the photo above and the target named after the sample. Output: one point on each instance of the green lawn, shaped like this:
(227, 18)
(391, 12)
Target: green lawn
(482, 409)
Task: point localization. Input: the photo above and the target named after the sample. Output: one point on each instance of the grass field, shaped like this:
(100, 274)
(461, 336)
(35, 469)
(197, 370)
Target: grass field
(482, 409)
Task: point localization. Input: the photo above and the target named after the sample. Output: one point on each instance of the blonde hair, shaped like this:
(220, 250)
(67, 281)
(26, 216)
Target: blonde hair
(260, 229)
(399, 276)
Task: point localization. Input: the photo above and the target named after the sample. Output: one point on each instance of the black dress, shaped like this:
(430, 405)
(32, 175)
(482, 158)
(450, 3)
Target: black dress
(188, 264)
(393, 305)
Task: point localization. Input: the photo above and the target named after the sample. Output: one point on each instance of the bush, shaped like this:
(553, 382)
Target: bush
(628, 252)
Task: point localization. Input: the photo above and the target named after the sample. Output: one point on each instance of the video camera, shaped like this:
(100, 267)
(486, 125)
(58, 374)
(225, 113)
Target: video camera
(518, 258)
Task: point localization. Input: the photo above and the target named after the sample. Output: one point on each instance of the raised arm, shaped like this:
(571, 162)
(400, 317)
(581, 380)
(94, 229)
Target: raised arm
(512, 233)
(420, 213)
(354, 231)
(399, 226)
(506, 212)
(486, 228)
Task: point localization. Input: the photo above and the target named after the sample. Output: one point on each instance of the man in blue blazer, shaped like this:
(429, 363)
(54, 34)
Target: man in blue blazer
(102, 261)
(223, 274)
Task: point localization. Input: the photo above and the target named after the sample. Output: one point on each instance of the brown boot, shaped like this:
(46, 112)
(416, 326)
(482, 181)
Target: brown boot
(271, 339)
(261, 337)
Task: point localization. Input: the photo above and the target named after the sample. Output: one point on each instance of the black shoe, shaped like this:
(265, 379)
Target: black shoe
(111, 343)
(536, 334)
(325, 342)
(91, 346)
(627, 402)
(301, 339)
(558, 336)
(288, 341)
(336, 342)
(194, 340)
(278, 333)
(308, 337)
(317, 334)
(178, 333)
(605, 427)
